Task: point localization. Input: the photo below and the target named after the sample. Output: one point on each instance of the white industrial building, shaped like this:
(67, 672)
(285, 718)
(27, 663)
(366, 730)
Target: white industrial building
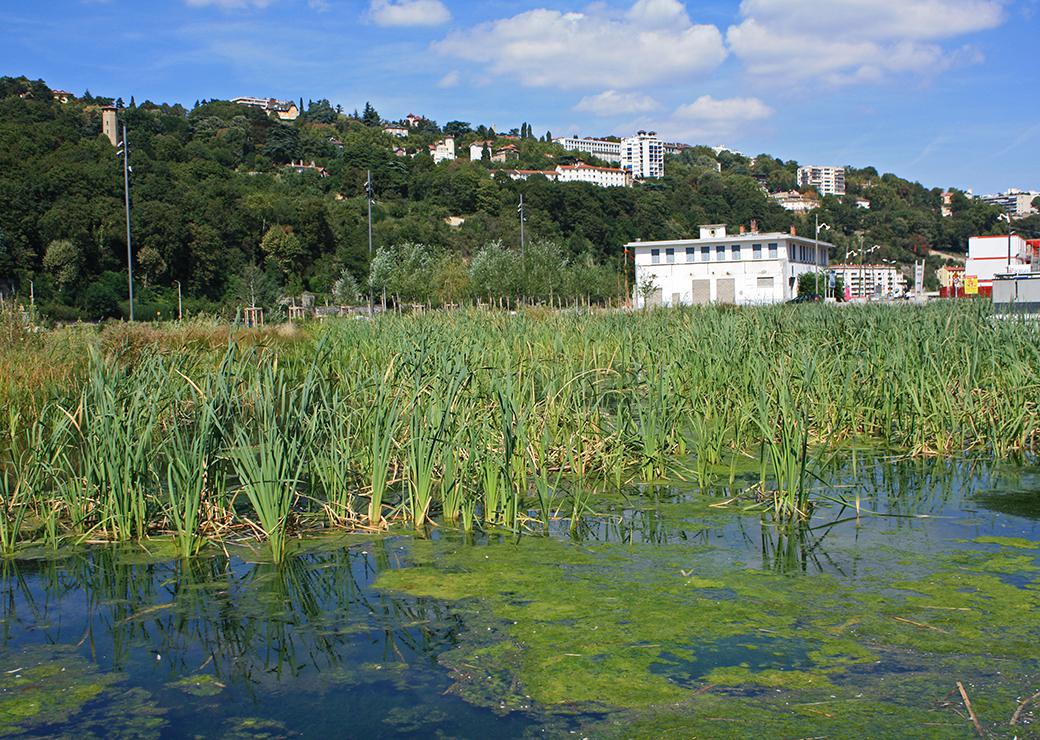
(866, 281)
(643, 155)
(827, 180)
(748, 268)
(608, 150)
(996, 255)
(605, 177)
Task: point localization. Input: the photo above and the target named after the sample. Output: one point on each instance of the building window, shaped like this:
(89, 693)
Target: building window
(669, 256)
(765, 283)
(773, 252)
(720, 252)
(736, 251)
(655, 256)
(756, 251)
(705, 254)
(689, 254)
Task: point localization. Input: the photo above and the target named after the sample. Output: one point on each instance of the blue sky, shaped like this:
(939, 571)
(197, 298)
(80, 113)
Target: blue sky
(941, 91)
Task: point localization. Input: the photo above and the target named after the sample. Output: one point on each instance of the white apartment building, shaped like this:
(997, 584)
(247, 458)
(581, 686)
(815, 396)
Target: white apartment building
(643, 155)
(605, 177)
(871, 281)
(608, 150)
(399, 132)
(989, 256)
(748, 268)
(1016, 203)
(286, 110)
(443, 150)
(827, 180)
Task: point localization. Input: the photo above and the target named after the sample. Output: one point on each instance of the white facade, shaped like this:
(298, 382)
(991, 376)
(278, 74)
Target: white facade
(866, 281)
(525, 174)
(1014, 202)
(741, 269)
(286, 110)
(397, 131)
(827, 180)
(795, 202)
(476, 150)
(606, 177)
(608, 150)
(643, 155)
(988, 256)
(443, 150)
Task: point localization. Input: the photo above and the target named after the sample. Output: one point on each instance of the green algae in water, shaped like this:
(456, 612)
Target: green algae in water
(201, 686)
(614, 628)
(1019, 542)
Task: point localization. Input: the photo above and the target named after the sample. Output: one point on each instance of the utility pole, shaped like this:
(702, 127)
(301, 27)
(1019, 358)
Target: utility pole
(125, 152)
(369, 195)
(520, 210)
(816, 257)
(180, 305)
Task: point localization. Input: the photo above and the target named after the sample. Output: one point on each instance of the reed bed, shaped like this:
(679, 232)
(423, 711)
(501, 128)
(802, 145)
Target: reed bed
(492, 420)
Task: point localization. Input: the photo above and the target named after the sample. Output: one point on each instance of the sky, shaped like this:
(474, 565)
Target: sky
(939, 91)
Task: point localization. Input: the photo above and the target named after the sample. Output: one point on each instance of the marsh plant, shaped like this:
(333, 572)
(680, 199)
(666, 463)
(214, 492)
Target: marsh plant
(483, 419)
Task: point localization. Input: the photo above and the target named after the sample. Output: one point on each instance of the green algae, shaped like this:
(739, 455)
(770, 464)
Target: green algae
(201, 685)
(622, 628)
(46, 685)
(1019, 542)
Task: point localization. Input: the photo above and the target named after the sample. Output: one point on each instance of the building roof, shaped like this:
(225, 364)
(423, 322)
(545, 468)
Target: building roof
(583, 166)
(748, 238)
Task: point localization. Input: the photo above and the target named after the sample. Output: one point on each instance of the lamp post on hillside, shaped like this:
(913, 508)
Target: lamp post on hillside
(370, 196)
(816, 257)
(124, 152)
(180, 305)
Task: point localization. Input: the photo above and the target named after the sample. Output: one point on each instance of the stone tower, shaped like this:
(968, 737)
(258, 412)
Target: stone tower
(109, 124)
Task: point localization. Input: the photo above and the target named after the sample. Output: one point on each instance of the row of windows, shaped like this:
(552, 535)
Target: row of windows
(717, 253)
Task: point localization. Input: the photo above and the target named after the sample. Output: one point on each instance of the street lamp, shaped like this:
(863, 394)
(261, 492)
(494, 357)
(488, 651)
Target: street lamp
(124, 152)
(816, 256)
(1007, 217)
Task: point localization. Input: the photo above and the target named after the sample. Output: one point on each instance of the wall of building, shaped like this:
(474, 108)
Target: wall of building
(762, 276)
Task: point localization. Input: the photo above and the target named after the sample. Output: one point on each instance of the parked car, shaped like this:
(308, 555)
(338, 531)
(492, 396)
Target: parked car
(807, 298)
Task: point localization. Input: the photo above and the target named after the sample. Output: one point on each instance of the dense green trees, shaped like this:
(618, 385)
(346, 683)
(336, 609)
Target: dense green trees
(215, 209)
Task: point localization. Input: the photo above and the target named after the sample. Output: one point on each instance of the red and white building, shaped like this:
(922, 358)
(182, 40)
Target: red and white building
(605, 177)
(997, 255)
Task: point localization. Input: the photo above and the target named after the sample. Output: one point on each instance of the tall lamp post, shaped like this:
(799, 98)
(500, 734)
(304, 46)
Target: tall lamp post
(180, 305)
(1007, 217)
(816, 258)
(370, 196)
(124, 152)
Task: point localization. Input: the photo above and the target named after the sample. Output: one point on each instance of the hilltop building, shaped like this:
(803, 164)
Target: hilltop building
(301, 168)
(795, 202)
(605, 177)
(1016, 203)
(602, 148)
(827, 180)
(524, 175)
(744, 269)
(643, 155)
(110, 123)
(946, 209)
(443, 150)
(396, 131)
(285, 110)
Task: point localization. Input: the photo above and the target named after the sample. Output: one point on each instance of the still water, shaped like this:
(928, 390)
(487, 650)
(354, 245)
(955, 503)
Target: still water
(667, 613)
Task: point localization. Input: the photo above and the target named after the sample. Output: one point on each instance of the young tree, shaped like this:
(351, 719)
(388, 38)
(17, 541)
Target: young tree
(64, 261)
(283, 249)
(346, 290)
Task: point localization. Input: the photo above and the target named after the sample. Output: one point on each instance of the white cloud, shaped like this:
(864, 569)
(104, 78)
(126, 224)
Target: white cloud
(612, 103)
(713, 117)
(228, 4)
(408, 12)
(855, 40)
(451, 79)
(654, 41)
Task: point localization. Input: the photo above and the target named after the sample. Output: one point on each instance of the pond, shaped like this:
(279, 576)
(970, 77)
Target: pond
(666, 613)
